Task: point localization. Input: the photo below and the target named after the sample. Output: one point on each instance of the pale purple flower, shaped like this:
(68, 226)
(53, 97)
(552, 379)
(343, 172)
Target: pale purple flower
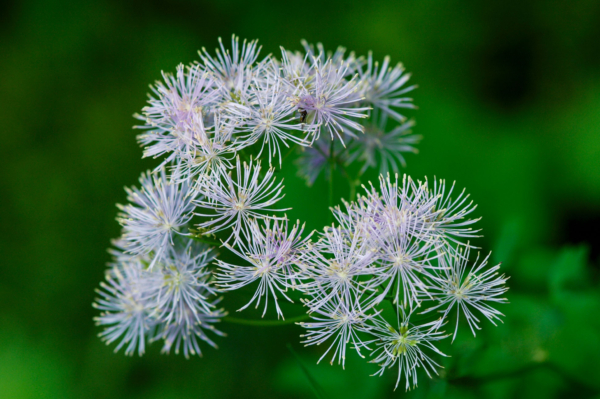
(449, 215)
(378, 146)
(383, 87)
(184, 301)
(157, 211)
(329, 101)
(341, 321)
(334, 266)
(210, 154)
(272, 252)
(234, 201)
(126, 304)
(171, 116)
(470, 291)
(405, 346)
(233, 70)
(268, 117)
(406, 259)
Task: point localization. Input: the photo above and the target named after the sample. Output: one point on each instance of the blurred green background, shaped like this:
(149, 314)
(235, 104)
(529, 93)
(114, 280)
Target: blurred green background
(509, 101)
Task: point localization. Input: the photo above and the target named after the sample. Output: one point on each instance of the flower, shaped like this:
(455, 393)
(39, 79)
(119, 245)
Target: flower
(234, 202)
(125, 301)
(382, 87)
(171, 116)
(340, 320)
(267, 115)
(447, 215)
(157, 211)
(184, 307)
(272, 253)
(378, 147)
(473, 291)
(404, 346)
(233, 71)
(328, 99)
(210, 153)
(333, 266)
(406, 256)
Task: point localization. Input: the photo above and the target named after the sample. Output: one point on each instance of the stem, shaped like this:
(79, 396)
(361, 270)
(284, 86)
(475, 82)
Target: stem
(207, 241)
(331, 167)
(317, 390)
(265, 323)
(292, 147)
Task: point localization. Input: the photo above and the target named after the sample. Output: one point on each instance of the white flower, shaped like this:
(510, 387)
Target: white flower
(382, 87)
(404, 346)
(233, 70)
(210, 154)
(184, 301)
(447, 217)
(328, 100)
(234, 201)
(271, 253)
(126, 304)
(406, 258)
(340, 320)
(268, 116)
(333, 267)
(170, 117)
(160, 209)
(468, 291)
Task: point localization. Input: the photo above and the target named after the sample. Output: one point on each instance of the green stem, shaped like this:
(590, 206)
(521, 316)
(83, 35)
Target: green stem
(265, 323)
(292, 147)
(331, 167)
(207, 241)
(316, 388)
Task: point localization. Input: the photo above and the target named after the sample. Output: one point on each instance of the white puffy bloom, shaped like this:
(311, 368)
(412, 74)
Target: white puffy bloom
(395, 202)
(475, 290)
(268, 117)
(271, 251)
(382, 87)
(173, 301)
(157, 211)
(378, 146)
(405, 347)
(233, 202)
(341, 321)
(171, 116)
(326, 99)
(184, 303)
(233, 70)
(448, 215)
(334, 265)
(210, 154)
(126, 304)
(401, 240)
(406, 258)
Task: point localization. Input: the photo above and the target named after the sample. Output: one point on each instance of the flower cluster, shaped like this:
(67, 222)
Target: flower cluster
(383, 279)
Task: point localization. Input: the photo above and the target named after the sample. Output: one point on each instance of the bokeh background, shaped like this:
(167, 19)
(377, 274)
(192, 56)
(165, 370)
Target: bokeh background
(509, 107)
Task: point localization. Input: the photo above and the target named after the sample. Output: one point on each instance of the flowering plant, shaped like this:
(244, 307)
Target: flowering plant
(398, 244)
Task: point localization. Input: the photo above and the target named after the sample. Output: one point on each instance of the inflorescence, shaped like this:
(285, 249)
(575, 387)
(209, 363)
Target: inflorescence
(401, 244)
